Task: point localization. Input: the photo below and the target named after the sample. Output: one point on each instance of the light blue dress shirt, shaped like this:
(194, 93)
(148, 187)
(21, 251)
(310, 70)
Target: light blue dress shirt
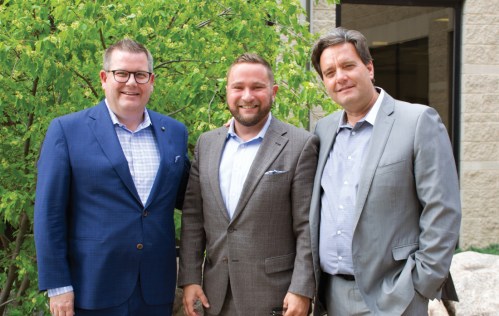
(237, 158)
(141, 151)
(340, 181)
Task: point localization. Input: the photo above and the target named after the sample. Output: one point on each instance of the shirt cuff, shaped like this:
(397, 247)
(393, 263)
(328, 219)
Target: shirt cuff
(59, 290)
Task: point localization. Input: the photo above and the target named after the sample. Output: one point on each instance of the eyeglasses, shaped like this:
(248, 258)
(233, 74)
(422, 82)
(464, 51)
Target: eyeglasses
(122, 76)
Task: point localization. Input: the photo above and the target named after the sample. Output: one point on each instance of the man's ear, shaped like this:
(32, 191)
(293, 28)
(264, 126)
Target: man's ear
(274, 91)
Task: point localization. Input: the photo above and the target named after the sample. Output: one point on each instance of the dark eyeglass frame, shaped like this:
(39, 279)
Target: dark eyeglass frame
(134, 73)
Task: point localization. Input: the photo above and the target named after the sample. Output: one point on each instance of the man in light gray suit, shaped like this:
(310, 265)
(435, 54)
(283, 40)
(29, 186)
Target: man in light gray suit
(245, 242)
(385, 212)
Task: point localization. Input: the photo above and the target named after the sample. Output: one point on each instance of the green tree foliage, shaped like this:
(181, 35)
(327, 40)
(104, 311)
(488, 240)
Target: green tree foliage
(50, 57)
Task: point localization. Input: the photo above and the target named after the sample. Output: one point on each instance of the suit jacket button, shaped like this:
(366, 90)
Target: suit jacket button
(140, 246)
(145, 213)
(225, 260)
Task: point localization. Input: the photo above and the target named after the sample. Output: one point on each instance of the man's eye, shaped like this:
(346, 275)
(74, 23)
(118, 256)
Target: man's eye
(141, 75)
(121, 73)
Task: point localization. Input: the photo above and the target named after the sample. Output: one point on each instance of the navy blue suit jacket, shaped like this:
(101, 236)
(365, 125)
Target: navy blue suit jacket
(91, 229)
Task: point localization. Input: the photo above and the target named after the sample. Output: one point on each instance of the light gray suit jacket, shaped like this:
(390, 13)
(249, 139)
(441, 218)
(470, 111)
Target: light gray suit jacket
(408, 211)
(265, 249)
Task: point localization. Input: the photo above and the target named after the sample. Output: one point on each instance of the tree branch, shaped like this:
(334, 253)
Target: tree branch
(88, 82)
(22, 289)
(227, 11)
(174, 18)
(102, 41)
(179, 110)
(163, 64)
(211, 102)
(11, 273)
(23, 222)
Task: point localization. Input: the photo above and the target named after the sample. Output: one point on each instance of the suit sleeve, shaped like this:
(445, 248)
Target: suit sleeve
(303, 281)
(185, 176)
(51, 208)
(193, 239)
(438, 191)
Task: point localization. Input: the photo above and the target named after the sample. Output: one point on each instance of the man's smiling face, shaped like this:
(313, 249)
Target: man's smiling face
(129, 97)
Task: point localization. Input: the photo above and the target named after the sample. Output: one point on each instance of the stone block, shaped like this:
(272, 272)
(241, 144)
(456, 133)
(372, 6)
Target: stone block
(322, 27)
(325, 15)
(481, 131)
(481, 198)
(321, 4)
(480, 103)
(479, 6)
(478, 83)
(480, 54)
(479, 118)
(480, 151)
(479, 34)
(480, 19)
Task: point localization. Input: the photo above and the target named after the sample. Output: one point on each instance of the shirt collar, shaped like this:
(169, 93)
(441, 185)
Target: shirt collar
(232, 134)
(370, 116)
(145, 123)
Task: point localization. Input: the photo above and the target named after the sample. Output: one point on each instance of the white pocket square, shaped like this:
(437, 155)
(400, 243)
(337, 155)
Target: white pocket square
(272, 172)
(177, 158)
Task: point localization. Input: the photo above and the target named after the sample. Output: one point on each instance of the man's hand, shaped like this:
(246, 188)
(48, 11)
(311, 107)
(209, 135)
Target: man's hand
(62, 305)
(296, 305)
(193, 293)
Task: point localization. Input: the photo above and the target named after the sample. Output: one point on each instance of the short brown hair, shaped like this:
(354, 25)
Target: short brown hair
(337, 36)
(127, 45)
(250, 58)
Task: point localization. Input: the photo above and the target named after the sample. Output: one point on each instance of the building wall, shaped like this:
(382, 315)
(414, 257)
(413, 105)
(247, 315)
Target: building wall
(480, 123)
(479, 157)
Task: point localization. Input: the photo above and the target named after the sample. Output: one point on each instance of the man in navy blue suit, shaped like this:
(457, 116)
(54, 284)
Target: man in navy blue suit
(109, 178)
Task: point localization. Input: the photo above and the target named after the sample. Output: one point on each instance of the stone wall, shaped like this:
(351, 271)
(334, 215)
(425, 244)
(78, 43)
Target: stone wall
(323, 17)
(479, 156)
(480, 123)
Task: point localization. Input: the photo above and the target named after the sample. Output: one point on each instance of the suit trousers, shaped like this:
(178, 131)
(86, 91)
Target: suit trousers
(343, 298)
(229, 307)
(134, 306)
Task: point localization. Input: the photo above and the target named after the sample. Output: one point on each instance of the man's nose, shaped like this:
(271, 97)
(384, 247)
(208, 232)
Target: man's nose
(341, 75)
(130, 80)
(247, 95)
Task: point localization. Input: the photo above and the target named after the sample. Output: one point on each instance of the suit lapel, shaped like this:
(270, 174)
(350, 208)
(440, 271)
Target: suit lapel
(327, 138)
(214, 157)
(161, 132)
(273, 143)
(101, 125)
(381, 132)
(326, 130)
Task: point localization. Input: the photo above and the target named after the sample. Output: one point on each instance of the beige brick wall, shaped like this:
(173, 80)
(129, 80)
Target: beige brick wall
(480, 123)
(479, 157)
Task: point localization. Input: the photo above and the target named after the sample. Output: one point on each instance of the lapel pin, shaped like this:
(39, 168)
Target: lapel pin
(163, 128)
